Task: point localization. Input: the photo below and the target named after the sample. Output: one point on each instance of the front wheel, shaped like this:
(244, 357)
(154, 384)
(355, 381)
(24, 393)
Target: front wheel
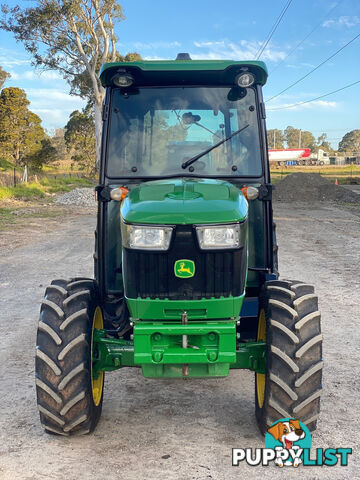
(69, 397)
(289, 322)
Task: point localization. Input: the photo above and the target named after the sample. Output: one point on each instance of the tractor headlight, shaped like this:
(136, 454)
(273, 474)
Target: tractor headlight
(245, 79)
(122, 79)
(221, 236)
(143, 237)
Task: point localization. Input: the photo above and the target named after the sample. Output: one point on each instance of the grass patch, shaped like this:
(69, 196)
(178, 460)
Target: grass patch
(6, 217)
(6, 192)
(6, 166)
(22, 192)
(61, 184)
(37, 190)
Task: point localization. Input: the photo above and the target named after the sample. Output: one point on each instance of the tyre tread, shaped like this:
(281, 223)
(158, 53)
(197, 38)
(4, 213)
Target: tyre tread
(63, 381)
(294, 354)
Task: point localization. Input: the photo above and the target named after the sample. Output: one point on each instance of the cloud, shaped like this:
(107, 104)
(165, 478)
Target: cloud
(44, 96)
(154, 57)
(316, 104)
(209, 44)
(242, 50)
(35, 75)
(344, 21)
(7, 62)
(300, 65)
(53, 106)
(153, 45)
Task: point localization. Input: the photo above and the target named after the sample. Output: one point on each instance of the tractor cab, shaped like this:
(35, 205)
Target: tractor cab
(188, 126)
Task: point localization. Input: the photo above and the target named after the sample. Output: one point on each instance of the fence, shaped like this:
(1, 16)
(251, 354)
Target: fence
(11, 179)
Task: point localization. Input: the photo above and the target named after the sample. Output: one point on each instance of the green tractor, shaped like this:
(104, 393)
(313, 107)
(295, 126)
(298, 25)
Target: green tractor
(186, 282)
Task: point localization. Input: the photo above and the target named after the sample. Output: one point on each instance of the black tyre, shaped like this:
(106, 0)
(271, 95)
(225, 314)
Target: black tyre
(289, 321)
(69, 399)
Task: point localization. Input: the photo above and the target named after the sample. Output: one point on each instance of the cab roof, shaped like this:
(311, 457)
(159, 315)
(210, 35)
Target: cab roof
(184, 72)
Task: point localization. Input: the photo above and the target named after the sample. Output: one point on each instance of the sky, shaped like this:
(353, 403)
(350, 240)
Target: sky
(235, 30)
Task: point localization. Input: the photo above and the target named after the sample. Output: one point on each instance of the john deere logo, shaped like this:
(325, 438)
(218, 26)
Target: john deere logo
(184, 268)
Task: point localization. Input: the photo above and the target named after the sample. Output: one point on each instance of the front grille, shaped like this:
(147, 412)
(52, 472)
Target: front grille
(151, 274)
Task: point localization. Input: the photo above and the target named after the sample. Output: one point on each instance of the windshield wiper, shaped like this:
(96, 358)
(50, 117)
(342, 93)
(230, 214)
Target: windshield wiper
(205, 152)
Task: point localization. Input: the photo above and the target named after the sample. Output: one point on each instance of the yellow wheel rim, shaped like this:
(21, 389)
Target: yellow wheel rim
(260, 377)
(96, 383)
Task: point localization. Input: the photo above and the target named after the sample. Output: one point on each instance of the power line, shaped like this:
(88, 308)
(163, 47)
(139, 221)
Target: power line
(307, 36)
(272, 31)
(314, 99)
(315, 68)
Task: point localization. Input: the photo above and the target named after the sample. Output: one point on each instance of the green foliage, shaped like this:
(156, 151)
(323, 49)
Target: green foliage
(6, 217)
(275, 138)
(61, 184)
(80, 139)
(350, 143)
(45, 155)
(5, 192)
(3, 76)
(296, 138)
(74, 37)
(63, 35)
(36, 190)
(58, 142)
(21, 132)
(22, 192)
(6, 166)
(324, 144)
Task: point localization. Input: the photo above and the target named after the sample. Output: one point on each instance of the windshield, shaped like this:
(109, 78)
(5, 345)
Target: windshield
(154, 131)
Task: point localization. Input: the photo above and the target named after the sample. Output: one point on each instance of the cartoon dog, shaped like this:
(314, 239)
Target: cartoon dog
(287, 433)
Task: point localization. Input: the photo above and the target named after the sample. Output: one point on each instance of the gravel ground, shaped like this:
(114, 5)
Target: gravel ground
(83, 197)
(153, 429)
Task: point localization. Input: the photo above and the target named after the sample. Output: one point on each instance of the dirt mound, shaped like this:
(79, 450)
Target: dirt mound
(311, 187)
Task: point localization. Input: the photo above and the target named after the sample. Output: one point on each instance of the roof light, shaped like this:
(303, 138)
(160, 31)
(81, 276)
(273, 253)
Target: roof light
(244, 79)
(123, 80)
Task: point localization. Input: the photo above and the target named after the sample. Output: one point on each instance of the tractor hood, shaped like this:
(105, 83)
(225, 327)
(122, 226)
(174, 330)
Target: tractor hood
(184, 201)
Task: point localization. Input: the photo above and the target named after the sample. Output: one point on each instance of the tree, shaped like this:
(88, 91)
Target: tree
(296, 138)
(80, 139)
(58, 142)
(43, 156)
(324, 144)
(350, 142)
(72, 36)
(3, 76)
(275, 138)
(21, 132)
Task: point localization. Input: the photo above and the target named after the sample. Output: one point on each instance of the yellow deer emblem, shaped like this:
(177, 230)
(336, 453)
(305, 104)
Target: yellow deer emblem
(184, 268)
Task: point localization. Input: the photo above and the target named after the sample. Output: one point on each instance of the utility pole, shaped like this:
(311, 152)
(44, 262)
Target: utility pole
(274, 139)
(300, 138)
